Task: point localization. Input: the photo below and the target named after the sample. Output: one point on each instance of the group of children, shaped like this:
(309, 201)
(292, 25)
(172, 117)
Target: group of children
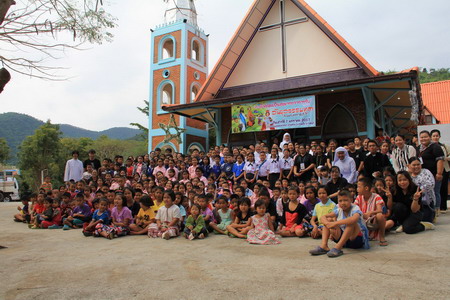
(262, 209)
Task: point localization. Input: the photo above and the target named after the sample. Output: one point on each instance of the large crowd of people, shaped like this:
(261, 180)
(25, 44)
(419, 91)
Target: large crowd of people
(349, 194)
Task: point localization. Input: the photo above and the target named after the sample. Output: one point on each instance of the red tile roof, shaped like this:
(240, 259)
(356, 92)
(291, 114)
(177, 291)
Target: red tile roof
(436, 97)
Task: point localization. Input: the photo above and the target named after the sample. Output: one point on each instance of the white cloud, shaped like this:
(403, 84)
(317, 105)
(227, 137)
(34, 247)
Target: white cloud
(108, 81)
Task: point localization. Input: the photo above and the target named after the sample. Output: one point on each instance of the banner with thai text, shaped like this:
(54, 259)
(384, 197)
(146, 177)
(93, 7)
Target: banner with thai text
(299, 112)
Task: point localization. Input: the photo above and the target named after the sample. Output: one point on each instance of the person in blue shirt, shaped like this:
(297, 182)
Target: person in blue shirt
(238, 169)
(227, 168)
(216, 166)
(100, 216)
(349, 229)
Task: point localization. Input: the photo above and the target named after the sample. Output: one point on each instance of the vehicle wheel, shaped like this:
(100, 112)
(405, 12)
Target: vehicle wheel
(2, 197)
(7, 199)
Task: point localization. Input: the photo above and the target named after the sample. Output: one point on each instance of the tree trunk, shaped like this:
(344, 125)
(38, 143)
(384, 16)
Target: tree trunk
(4, 7)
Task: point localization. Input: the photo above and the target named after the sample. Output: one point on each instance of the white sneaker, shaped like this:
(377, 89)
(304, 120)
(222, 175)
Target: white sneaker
(191, 237)
(399, 229)
(428, 225)
(166, 235)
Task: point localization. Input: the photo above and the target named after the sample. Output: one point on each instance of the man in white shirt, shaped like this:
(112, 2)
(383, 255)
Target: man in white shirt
(74, 168)
(257, 152)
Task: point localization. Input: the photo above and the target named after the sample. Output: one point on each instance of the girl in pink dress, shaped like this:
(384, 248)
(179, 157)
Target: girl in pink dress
(262, 232)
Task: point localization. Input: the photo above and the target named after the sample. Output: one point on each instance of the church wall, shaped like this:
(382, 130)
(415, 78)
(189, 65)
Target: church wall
(156, 140)
(157, 79)
(226, 124)
(190, 79)
(353, 101)
(195, 139)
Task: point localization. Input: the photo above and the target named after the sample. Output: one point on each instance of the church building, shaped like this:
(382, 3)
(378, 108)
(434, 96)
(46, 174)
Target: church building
(286, 70)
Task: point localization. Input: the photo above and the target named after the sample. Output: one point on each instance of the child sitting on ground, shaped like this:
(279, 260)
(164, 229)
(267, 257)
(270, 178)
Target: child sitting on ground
(371, 205)
(80, 214)
(226, 216)
(348, 231)
(241, 224)
(121, 216)
(167, 219)
(38, 207)
(24, 213)
(46, 215)
(144, 218)
(195, 224)
(262, 230)
(206, 212)
(310, 202)
(293, 214)
(56, 219)
(324, 207)
(100, 217)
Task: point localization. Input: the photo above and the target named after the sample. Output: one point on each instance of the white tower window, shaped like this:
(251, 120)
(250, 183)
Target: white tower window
(196, 50)
(194, 92)
(167, 95)
(168, 49)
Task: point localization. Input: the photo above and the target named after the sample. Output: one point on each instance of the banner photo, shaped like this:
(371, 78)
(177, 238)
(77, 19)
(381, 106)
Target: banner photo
(299, 112)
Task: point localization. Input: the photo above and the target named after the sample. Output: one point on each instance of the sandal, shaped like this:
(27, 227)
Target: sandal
(318, 251)
(335, 253)
(383, 243)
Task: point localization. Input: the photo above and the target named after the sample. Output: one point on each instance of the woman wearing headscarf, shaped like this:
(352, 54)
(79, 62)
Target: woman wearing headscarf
(286, 140)
(346, 164)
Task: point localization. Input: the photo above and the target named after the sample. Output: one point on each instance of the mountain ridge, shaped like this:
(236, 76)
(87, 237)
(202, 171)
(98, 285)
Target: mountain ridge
(15, 127)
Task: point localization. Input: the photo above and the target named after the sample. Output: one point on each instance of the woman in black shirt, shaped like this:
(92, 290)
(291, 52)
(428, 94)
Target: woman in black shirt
(405, 206)
(432, 158)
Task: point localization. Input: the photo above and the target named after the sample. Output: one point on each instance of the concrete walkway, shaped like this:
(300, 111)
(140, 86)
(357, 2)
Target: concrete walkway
(56, 264)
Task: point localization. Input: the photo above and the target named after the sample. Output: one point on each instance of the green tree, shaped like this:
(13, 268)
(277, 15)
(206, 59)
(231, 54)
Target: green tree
(39, 152)
(145, 111)
(4, 151)
(108, 148)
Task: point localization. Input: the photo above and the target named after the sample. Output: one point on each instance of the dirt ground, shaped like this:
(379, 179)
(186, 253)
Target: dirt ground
(56, 264)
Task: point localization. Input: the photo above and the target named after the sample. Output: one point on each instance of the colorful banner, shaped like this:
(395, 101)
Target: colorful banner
(299, 112)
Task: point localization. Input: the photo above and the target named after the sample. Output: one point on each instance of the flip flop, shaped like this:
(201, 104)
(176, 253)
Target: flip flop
(318, 251)
(335, 253)
(383, 243)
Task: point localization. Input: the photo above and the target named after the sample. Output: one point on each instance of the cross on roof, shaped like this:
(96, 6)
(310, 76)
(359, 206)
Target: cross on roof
(283, 25)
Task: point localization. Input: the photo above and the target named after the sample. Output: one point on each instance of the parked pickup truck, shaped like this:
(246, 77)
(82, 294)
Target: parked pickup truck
(9, 187)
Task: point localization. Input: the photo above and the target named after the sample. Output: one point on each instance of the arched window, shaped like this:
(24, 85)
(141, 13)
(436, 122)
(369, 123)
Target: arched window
(167, 95)
(196, 50)
(195, 146)
(339, 124)
(194, 92)
(168, 49)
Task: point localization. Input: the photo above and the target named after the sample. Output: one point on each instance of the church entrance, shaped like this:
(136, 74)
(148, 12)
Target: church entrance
(339, 124)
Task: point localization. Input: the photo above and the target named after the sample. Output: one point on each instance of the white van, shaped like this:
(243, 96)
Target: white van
(9, 187)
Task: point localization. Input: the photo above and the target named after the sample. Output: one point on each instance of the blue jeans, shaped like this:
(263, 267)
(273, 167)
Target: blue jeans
(437, 192)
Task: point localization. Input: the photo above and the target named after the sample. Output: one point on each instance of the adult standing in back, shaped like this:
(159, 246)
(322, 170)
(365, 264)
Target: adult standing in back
(94, 162)
(303, 165)
(435, 137)
(401, 154)
(74, 168)
(375, 162)
(432, 158)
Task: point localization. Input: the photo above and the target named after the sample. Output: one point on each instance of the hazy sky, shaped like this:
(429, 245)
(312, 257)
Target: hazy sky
(108, 81)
